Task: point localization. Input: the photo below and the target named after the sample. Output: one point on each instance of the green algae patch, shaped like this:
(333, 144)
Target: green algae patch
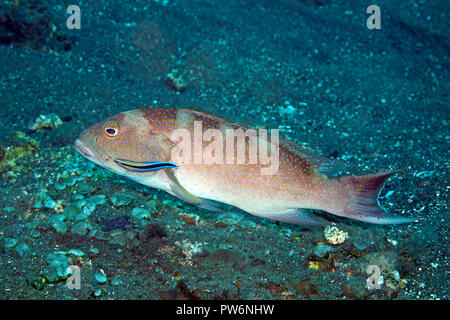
(57, 222)
(24, 250)
(57, 268)
(19, 147)
(140, 213)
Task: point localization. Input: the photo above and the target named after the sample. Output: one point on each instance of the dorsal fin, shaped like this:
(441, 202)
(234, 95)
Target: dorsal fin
(322, 165)
(327, 166)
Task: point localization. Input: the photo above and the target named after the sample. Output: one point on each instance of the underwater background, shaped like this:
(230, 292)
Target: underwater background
(377, 99)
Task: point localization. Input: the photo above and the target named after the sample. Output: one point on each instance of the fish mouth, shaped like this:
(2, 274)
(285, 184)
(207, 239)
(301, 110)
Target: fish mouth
(84, 150)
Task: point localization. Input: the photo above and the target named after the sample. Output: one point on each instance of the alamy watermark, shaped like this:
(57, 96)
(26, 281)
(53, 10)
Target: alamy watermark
(231, 146)
(374, 20)
(74, 20)
(74, 280)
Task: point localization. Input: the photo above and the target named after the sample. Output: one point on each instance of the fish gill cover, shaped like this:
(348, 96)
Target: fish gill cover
(343, 84)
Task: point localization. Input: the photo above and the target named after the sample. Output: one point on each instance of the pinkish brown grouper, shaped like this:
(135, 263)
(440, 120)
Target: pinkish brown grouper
(161, 148)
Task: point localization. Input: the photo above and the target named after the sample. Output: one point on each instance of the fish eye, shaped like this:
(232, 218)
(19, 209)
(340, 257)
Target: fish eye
(111, 132)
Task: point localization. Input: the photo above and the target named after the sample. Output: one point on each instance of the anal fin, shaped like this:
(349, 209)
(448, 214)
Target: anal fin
(303, 217)
(210, 205)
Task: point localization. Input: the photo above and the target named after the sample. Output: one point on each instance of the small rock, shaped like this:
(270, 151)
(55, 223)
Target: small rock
(140, 213)
(77, 197)
(34, 233)
(57, 258)
(10, 242)
(322, 249)
(89, 208)
(335, 236)
(8, 209)
(94, 250)
(46, 122)
(50, 203)
(58, 267)
(361, 244)
(76, 252)
(424, 174)
(393, 242)
(37, 204)
(97, 293)
(73, 209)
(59, 186)
(99, 199)
(288, 110)
(229, 218)
(63, 271)
(101, 276)
(71, 181)
(84, 188)
(57, 222)
(248, 224)
(81, 228)
(50, 275)
(121, 199)
(116, 281)
(175, 81)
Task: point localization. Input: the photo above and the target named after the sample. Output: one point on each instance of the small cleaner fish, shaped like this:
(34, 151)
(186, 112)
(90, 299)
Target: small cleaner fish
(182, 152)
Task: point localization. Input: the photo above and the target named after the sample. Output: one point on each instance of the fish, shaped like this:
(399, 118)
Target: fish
(211, 162)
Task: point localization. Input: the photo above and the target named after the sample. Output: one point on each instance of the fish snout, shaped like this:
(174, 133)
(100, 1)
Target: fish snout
(83, 150)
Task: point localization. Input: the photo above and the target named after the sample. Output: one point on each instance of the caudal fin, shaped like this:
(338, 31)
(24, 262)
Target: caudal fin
(363, 203)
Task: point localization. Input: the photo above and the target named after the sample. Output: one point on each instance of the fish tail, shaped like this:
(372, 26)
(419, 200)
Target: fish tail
(361, 203)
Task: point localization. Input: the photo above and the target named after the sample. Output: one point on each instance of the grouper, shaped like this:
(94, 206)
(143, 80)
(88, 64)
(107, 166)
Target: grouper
(208, 161)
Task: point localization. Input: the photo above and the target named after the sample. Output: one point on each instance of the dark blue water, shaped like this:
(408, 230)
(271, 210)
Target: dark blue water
(376, 99)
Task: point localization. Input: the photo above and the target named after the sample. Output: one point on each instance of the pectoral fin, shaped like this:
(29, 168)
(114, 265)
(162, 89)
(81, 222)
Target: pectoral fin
(136, 166)
(179, 191)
